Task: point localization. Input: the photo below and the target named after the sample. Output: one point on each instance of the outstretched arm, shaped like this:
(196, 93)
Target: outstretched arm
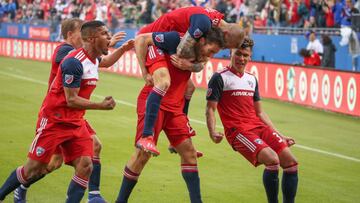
(110, 59)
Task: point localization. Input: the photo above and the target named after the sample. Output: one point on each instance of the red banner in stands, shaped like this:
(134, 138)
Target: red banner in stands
(39, 33)
(324, 89)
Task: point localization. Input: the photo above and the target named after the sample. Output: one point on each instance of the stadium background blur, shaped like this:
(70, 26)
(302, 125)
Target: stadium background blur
(327, 143)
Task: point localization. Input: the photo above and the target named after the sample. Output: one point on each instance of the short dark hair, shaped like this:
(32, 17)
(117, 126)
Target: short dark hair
(70, 24)
(247, 43)
(215, 35)
(304, 53)
(88, 28)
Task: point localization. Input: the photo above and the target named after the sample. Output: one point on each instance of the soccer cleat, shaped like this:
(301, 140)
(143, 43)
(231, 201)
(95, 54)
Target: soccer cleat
(96, 199)
(148, 145)
(20, 194)
(172, 150)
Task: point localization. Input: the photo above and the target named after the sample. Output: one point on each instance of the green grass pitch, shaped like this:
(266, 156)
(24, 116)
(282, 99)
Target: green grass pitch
(328, 146)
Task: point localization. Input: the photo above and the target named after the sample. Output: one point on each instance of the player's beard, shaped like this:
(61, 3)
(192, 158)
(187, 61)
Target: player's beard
(197, 51)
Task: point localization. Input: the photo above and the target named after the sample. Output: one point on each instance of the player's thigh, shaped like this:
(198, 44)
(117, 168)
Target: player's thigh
(187, 152)
(272, 138)
(80, 145)
(48, 138)
(161, 76)
(177, 128)
(248, 144)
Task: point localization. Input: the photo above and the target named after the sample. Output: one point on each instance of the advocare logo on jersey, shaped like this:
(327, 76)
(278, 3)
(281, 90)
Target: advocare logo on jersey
(242, 93)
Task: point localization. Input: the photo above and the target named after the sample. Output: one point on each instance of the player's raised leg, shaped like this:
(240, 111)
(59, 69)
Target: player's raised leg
(161, 79)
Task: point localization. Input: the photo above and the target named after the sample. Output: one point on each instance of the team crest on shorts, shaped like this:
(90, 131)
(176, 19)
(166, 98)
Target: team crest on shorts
(258, 141)
(159, 38)
(209, 92)
(39, 151)
(69, 79)
(197, 33)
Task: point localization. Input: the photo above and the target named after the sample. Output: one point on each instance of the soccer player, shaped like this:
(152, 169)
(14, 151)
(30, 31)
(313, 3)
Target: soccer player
(61, 119)
(70, 29)
(171, 117)
(248, 129)
(194, 22)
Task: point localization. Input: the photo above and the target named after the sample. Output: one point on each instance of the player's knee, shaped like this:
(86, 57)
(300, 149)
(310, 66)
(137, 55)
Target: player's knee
(97, 147)
(289, 163)
(164, 84)
(84, 167)
(268, 157)
(53, 166)
(35, 171)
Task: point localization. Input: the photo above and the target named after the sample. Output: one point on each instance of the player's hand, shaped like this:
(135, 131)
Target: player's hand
(148, 79)
(108, 103)
(216, 137)
(117, 38)
(128, 45)
(180, 63)
(290, 141)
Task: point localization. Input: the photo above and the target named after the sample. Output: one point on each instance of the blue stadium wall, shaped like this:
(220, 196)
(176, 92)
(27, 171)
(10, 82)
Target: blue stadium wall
(268, 48)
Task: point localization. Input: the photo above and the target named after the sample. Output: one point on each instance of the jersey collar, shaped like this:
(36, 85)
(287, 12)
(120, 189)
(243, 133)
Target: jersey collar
(235, 72)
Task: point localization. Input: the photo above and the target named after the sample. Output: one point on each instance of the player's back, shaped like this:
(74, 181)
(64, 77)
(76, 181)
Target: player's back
(86, 74)
(60, 52)
(179, 19)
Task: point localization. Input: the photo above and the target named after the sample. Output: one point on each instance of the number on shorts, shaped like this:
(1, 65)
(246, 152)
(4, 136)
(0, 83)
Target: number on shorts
(278, 136)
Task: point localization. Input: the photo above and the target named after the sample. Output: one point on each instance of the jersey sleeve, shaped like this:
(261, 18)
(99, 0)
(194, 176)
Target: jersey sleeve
(72, 72)
(200, 24)
(215, 88)
(167, 41)
(257, 93)
(62, 52)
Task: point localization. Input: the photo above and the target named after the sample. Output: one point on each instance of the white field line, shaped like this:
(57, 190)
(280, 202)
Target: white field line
(192, 120)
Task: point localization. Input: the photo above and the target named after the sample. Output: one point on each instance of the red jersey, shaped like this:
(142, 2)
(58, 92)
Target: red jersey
(59, 54)
(179, 20)
(235, 95)
(174, 98)
(77, 70)
(312, 60)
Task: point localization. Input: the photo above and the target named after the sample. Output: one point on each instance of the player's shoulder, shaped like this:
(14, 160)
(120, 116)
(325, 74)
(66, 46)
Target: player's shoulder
(223, 71)
(249, 74)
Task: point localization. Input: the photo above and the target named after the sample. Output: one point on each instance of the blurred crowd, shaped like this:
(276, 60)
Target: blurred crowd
(258, 13)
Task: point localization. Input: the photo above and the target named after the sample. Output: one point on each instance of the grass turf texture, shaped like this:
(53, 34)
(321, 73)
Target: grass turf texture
(225, 175)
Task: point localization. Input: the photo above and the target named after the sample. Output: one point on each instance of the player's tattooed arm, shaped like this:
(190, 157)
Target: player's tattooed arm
(186, 64)
(186, 47)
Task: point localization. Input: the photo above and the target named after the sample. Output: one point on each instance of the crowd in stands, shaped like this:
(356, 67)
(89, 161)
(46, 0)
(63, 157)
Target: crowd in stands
(258, 13)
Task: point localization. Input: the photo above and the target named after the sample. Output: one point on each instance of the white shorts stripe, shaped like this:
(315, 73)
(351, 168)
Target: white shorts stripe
(42, 126)
(246, 142)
